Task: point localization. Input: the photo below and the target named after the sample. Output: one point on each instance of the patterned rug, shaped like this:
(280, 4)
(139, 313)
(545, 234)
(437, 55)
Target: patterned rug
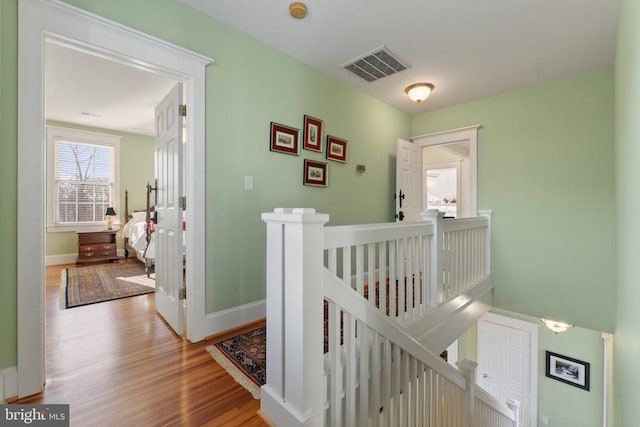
(104, 282)
(244, 357)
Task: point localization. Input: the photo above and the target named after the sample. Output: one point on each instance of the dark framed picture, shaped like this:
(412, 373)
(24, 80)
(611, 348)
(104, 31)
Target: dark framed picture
(336, 149)
(568, 370)
(312, 139)
(315, 173)
(284, 139)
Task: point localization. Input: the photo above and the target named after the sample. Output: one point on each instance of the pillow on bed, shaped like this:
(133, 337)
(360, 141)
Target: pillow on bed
(139, 216)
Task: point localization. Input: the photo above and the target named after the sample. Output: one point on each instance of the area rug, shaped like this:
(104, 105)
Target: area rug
(244, 357)
(104, 282)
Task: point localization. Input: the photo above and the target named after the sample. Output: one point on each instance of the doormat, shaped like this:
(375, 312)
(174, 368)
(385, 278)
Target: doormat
(104, 282)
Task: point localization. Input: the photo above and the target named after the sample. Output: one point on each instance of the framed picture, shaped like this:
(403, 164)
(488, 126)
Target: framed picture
(336, 149)
(312, 139)
(284, 139)
(568, 370)
(315, 173)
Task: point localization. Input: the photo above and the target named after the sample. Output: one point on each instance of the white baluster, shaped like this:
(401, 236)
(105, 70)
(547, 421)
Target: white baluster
(436, 257)
(467, 369)
(487, 242)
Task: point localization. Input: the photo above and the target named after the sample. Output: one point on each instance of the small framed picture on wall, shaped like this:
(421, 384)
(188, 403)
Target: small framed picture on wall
(336, 149)
(315, 173)
(284, 139)
(312, 139)
(568, 370)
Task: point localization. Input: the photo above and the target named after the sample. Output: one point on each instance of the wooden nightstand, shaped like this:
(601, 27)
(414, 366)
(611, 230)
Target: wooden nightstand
(97, 246)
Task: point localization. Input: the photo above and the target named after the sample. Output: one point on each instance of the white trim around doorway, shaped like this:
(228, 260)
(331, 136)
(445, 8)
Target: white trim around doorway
(468, 134)
(40, 20)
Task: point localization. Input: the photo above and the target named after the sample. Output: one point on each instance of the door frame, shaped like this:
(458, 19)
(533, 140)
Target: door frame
(39, 20)
(532, 329)
(469, 134)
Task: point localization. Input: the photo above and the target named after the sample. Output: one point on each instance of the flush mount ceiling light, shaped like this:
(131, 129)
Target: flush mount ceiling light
(556, 326)
(418, 92)
(298, 10)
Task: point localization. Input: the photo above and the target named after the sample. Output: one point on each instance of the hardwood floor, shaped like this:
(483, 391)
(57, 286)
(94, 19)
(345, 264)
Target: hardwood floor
(118, 364)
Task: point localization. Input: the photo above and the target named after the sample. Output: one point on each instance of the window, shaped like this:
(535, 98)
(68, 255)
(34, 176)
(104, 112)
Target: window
(82, 178)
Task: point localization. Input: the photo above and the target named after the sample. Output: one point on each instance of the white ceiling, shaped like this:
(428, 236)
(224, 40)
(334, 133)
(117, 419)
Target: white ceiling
(468, 49)
(92, 91)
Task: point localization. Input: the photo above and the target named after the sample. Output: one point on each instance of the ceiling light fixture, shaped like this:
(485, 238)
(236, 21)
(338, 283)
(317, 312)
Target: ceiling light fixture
(298, 10)
(418, 92)
(556, 326)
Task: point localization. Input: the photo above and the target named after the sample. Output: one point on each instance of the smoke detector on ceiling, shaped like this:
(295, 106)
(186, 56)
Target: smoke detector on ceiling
(375, 65)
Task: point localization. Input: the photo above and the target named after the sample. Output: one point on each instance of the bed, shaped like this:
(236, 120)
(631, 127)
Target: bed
(135, 234)
(139, 237)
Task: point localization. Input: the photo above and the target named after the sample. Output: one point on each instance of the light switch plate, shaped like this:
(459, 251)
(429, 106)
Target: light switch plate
(248, 183)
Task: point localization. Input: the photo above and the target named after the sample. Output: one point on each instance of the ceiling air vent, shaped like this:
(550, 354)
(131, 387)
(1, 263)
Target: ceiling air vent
(375, 65)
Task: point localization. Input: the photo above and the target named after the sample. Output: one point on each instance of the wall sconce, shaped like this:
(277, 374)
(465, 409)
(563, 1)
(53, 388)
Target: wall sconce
(110, 213)
(418, 92)
(556, 326)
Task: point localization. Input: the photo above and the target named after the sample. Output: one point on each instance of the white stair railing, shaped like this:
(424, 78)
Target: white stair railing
(387, 264)
(463, 258)
(373, 371)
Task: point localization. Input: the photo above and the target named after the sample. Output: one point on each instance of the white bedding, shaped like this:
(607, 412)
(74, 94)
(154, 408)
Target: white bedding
(134, 230)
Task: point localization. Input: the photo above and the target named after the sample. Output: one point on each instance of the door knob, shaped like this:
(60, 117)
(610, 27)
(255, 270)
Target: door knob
(400, 215)
(484, 375)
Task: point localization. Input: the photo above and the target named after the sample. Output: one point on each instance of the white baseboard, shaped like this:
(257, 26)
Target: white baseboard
(8, 384)
(233, 317)
(60, 259)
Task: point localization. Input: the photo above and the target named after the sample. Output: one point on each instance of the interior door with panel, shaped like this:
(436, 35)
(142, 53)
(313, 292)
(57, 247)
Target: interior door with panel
(409, 180)
(505, 364)
(169, 241)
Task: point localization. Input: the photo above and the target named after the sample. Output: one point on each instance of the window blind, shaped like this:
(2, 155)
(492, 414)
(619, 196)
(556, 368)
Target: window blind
(83, 181)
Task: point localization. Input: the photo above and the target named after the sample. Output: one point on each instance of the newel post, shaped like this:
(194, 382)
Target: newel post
(436, 257)
(293, 394)
(514, 405)
(467, 369)
(487, 242)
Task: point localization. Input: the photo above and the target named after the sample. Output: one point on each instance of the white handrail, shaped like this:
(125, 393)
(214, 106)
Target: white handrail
(353, 303)
(350, 235)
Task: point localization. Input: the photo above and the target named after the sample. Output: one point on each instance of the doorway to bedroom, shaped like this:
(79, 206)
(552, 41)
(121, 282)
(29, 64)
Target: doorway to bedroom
(101, 159)
(42, 21)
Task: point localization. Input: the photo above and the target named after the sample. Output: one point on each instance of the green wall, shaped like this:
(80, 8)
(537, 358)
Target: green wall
(8, 177)
(136, 170)
(627, 128)
(545, 167)
(563, 404)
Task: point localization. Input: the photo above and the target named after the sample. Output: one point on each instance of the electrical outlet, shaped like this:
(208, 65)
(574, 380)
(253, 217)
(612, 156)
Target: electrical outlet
(545, 420)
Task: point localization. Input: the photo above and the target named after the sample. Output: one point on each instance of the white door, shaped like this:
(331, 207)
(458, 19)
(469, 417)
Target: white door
(168, 234)
(505, 367)
(408, 181)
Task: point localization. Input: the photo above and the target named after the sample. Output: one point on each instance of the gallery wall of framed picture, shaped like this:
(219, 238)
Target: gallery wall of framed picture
(285, 139)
